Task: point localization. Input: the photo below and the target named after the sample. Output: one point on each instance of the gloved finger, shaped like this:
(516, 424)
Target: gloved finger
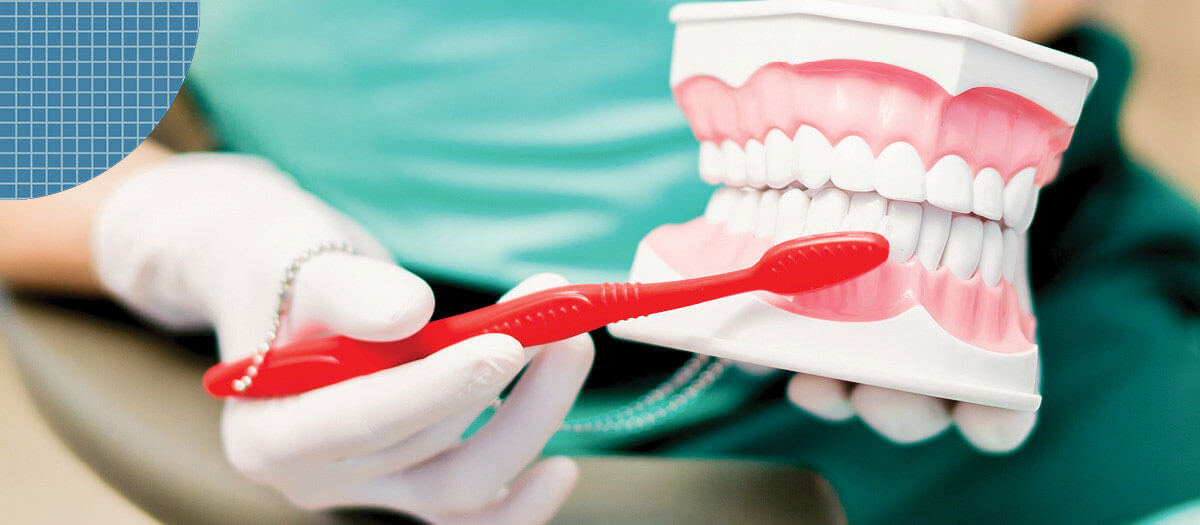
(372, 412)
(900, 416)
(411, 451)
(1003, 15)
(358, 297)
(953, 9)
(364, 242)
(532, 500)
(924, 7)
(993, 430)
(826, 398)
(534, 283)
(530, 415)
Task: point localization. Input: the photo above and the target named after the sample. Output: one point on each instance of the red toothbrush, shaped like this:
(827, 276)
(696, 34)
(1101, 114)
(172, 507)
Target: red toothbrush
(789, 268)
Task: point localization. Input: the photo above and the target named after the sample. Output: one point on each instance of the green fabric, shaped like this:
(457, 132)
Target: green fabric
(484, 141)
(481, 141)
(1185, 514)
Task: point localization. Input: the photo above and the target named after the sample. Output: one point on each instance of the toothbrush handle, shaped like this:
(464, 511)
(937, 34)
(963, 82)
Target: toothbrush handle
(536, 319)
(563, 312)
(792, 267)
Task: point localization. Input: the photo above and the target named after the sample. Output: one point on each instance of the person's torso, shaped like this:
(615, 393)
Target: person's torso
(481, 141)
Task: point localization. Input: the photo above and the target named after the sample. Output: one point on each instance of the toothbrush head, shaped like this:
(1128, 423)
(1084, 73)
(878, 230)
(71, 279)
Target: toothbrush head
(810, 263)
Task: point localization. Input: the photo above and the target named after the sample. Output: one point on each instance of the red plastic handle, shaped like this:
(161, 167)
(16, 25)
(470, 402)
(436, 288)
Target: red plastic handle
(540, 318)
(550, 315)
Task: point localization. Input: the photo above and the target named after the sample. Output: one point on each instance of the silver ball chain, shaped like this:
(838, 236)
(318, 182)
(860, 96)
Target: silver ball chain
(285, 293)
(668, 399)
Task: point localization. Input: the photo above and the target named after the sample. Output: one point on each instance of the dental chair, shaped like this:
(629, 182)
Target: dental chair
(128, 402)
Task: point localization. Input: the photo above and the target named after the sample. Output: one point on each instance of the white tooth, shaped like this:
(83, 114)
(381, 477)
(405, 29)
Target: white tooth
(1030, 209)
(988, 200)
(991, 257)
(793, 213)
(948, 184)
(899, 173)
(1012, 255)
(735, 163)
(964, 246)
(756, 164)
(852, 165)
(721, 204)
(777, 149)
(865, 212)
(768, 210)
(935, 228)
(813, 157)
(827, 211)
(902, 226)
(1017, 195)
(745, 212)
(712, 163)
(1021, 276)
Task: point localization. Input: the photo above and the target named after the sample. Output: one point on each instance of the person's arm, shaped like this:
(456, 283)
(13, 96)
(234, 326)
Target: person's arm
(45, 242)
(232, 242)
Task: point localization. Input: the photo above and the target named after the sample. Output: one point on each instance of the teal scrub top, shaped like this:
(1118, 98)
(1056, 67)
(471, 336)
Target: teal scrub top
(481, 141)
(485, 141)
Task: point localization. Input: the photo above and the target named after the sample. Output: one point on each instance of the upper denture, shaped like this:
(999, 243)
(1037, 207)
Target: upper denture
(875, 105)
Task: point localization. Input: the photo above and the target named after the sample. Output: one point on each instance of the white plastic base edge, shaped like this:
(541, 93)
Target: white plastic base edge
(909, 352)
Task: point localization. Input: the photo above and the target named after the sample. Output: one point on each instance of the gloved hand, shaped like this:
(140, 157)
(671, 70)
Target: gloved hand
(910, 418)
(902, 417)
(393, 439)
(1002, 15)
(204, 239)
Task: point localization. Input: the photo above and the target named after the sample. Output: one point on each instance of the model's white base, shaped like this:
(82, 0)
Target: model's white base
(909, 352)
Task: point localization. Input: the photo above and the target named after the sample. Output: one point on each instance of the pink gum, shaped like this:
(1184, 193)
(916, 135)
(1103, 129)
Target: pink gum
(883, 104)
(987, 317)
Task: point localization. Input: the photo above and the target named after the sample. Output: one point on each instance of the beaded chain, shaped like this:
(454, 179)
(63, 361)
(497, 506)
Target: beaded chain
(285, 293)
(666, 400)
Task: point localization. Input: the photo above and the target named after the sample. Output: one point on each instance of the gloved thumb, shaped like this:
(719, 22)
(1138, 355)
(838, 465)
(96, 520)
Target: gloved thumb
(358, 297)
(534, 284)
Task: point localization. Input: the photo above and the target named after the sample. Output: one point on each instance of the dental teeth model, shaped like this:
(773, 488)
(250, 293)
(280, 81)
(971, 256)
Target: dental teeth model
(816, 117)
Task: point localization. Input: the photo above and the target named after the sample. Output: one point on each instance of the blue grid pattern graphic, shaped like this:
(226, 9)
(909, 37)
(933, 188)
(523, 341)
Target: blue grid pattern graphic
(82, 83)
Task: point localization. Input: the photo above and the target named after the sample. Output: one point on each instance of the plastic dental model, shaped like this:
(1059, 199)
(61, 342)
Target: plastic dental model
(816, 117)
(788, 269)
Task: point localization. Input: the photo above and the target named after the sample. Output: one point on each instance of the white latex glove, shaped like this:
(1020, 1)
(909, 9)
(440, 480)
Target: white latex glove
(907, 418)
(393, 439)
(1002, 15)
(204, 239)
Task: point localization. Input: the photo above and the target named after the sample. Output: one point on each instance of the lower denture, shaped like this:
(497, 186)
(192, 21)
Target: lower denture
(988, 317)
